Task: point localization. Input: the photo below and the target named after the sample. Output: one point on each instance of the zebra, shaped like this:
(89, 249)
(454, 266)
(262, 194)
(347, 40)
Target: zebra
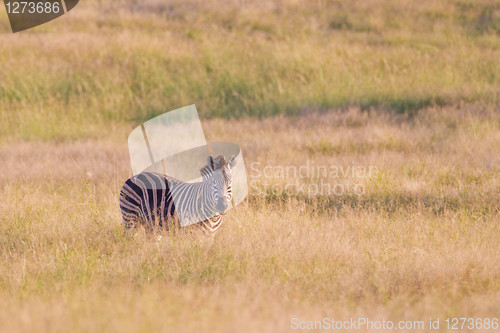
(149, 197)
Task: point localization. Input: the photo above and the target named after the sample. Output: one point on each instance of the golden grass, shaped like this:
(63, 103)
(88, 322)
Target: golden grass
(409, 88)
(422, 242)
(115, 62)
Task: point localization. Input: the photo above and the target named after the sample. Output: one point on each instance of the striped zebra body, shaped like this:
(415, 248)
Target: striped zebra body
(150, 199)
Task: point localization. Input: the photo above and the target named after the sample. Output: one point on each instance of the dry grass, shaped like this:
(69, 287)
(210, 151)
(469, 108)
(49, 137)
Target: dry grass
(422, 241)
(110, 63)
(409, 88)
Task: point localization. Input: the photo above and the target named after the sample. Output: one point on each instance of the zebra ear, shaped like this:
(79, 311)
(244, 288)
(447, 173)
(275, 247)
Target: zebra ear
(232, 161)
(210, 162)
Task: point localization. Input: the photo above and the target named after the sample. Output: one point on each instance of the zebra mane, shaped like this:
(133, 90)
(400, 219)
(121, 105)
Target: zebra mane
(206, 171)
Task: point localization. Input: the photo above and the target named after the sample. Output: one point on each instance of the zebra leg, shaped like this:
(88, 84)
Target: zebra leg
(130, 223)
(130, 210)
(149, 227)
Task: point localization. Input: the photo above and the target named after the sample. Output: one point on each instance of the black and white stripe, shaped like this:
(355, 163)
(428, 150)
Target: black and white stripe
(150, 198)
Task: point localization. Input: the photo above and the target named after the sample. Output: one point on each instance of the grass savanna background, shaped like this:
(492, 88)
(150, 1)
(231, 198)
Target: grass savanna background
(411, 88)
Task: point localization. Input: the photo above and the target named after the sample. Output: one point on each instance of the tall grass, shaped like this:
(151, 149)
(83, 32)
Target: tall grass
(421, 242)
(410, 88)
(121, 62)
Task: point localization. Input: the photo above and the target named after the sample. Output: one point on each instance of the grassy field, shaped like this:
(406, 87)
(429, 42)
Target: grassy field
(115, 62)
(406, 90)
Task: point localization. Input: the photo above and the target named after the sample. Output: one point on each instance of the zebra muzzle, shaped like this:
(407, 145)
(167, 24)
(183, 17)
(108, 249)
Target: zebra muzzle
(222, 206)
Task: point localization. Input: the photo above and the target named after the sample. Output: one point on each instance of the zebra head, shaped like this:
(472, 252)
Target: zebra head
(217, 172)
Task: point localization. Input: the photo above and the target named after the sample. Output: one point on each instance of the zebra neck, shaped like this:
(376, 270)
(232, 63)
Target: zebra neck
(194, 201)
(206, 202)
